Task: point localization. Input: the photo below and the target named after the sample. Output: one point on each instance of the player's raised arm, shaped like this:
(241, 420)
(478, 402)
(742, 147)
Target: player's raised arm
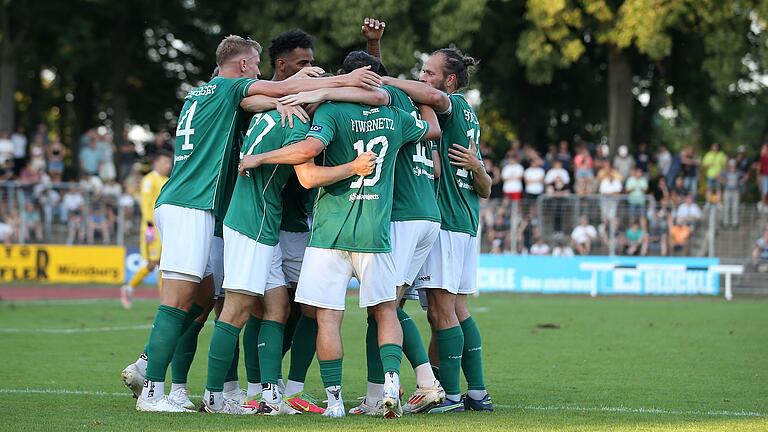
(421, 93)
(312, 176)
(375, 96)
(294, 154)
(428, 115)
(467, 158)
(362, 77)
(373, 30)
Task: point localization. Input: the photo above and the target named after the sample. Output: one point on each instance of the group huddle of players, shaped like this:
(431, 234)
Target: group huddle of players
(281, 192)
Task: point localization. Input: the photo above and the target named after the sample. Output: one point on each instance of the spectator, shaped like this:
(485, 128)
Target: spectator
(623, 162)
(550, 156)
(162, 142)
(760, 252)
(562, 249)
(6, 148)
(601, 157)
(731, 181)
(610, 187)
(487, 206)
(7, 226)
(643, 159)
(637, 239)
(679, 191)
(743, 165)
(6, 170)
(49, 200)
(658, 231)
(32, 222)
(73, 201)
(37, 153)
(56, 153)
(557, 172)
(527, 231)
(539, 247)
(97, 222)
(19, 139)
(583, 235)
(563, 156)
(612, 235)
(126, 156)
(500, 232)
(689, 169)
(512, 175)
(91, 156)
(679, 236)
(662, 193)
(534, 180)
(688, 213)
(107, 168)
(636, 187)
(713, 164)
(761, 166)
(558, 191)
(41, 134)
(584, 171)
(664, 161)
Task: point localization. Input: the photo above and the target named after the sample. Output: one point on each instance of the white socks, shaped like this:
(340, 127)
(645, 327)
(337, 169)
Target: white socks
(333, 393)
(476, 394)
(392, 379)
(253, 389)
(215, 400)
(425, 377)
(231, 386)
(293, 387)
(375, 394)
(271, 393)
(141, 363)
(153, 390)
(175, 387)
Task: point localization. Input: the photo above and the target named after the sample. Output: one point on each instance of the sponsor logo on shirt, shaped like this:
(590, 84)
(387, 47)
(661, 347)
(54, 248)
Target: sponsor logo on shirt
(316, 128)
(180, 158)
(425, 278)
(363, 197)
(418, 171)
(464, 185)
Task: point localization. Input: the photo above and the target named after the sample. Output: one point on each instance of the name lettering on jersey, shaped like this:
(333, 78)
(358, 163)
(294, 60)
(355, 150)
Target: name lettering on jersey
(205, 90)
(371, 111)
(373, 125)
(363, 197)
(418, 172)
(470, 116)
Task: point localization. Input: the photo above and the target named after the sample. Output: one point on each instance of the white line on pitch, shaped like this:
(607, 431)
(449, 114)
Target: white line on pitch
(76, 330)
(622, 410)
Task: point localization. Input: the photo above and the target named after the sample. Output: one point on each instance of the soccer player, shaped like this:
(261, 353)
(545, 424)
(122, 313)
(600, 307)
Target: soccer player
(450, 271)
(251, 260)
(350, 235)
(209, 123)
(149, 241)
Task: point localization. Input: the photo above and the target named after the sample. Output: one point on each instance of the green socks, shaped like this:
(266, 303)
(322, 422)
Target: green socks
(223, 343)
(472, 357)
(413, 346)
(250, 347)
(391, 356)
(290, 329)
(270, 348)
(372, 353)
(330, 372)
(450, 344)
(232, 371)
(162, 341)
(185, 353)
(303, 348)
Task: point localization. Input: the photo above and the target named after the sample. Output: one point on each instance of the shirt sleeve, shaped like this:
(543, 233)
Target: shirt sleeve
(240, 89)
(297, 133)
(412, 129)
(323, 125)
(446, 116)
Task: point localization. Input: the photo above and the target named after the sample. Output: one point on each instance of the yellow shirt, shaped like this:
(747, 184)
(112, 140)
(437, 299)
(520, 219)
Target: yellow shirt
(150, 189)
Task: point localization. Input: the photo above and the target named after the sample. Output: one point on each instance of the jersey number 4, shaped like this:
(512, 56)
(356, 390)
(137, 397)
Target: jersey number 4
(187, 131)
(361, 148)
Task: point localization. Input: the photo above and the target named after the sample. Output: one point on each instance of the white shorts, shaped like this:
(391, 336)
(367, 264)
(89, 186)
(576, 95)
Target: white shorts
(186, 235)
(250, 267)
(327, 272)
(411, 243)
(292, 246)
(451, 264)
(215, 266)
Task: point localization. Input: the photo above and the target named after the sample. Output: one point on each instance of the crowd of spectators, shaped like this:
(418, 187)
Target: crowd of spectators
(82, 192)
(660, 197)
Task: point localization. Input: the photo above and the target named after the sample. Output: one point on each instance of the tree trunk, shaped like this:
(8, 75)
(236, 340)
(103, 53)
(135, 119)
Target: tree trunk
(7, 87)
(620, 100)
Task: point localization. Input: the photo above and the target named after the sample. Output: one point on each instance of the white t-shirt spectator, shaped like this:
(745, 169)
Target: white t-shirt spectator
(610, 186)
(583, 234)
(6, 149)
(565, 251)
(555, 173)
(688, 212)
(534, 180)
(539, 249)
(73, 201)
(19, 145)
(512, 174)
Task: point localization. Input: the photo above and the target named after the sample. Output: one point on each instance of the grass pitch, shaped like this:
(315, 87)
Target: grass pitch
(619, 364)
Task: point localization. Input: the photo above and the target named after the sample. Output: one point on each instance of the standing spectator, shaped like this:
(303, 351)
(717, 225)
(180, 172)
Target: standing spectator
(658, 231)
(32, 222)
(19, 139)
(512, 175)
(41, 134)
(713, 164)
(664, 161)
(761, 166)
(107, 168)
(91, 156)
(584, 171)
(731, 181)
(689, 169)
(500, 232)
(662, 193)
(49, 200)
(563, 155)
(558, 192)
(527, 231)
(539, 247)
(56, 153)
(688, 213)
(610, 187)
(760, 252)
(557, 172)
(6, 148)
(487, 206)
(98, 222)
(643, 159)
(534, 180)
(637, 239)
(6, 170)
(550, 156)
(583, 235)
(679, 191)
(636, 187)
(37, 153)
(601, 158)
(679, 236)
(623, 162)
(126, 156)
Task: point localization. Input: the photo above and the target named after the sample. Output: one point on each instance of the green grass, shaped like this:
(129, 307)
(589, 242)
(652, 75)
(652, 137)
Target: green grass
(625, 364)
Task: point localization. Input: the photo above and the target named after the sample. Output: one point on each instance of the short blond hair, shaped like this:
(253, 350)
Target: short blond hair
(232, 46)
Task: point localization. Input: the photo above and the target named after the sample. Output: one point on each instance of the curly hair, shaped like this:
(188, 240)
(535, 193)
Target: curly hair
(287, 42)
(358, 59)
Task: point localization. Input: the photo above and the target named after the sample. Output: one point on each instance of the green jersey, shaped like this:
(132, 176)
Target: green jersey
(257, 206)
(414, 197)
(295, 206)
(205, 154)
(354, 214)
(457, 199)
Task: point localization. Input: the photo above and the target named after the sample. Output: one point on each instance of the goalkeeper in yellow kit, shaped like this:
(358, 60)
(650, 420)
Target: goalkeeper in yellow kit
(149, 242)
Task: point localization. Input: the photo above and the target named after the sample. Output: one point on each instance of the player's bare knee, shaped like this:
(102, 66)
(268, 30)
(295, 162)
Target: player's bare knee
(462, 310)
(309, 311)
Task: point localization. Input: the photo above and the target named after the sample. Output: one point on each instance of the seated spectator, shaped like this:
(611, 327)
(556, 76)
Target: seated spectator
(623, 162)
(658, 229)
(6, 170)
(760, 253)
(98, 222)
(33, 223)
(662, 193)
(563, 156)
(30, 174)
(73, 201)
(539, 247)
(637, 239)
(49, 200)
(688, 212)
(500, 231)
(679, 236)
(583, 235)
(527, 231)
(56, 153)
(512, 176)
(37, 152)
(611, 232)
(6, 148)
(584, 171)
(562, 249)
(636, 187)
(557, 172)
(8, 226)
(679, 191)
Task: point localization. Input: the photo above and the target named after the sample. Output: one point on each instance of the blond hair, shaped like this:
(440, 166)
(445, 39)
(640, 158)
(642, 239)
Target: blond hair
(232, 46)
